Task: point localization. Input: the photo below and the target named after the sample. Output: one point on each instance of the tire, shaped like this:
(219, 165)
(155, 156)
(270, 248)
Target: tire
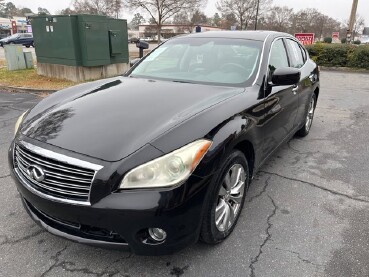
(308, 121)
(28, 46)
(216, 225)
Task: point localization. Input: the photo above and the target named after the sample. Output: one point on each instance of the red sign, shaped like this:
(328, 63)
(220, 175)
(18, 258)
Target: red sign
(305, 38)
(336, 35)
(14, 27)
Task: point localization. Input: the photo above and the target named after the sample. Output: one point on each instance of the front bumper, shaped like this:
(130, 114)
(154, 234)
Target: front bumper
(121, 219)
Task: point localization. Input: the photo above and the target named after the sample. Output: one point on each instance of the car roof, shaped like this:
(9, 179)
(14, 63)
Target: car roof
(252, 35)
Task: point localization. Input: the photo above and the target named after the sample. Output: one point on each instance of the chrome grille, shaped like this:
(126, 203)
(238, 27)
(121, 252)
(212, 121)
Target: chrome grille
(62, 180)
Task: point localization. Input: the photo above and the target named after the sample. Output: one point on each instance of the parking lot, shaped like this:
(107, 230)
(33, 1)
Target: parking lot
(306, 214)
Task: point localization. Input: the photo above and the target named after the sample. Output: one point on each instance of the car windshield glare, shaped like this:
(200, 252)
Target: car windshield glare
(14, 36)
(215, 61)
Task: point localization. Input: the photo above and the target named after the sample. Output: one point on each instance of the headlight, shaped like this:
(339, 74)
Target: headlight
(18, 123)
(168, 170)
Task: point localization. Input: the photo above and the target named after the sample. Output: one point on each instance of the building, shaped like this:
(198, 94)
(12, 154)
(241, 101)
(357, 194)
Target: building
(171, 30)
(15, 25)
(5, 27)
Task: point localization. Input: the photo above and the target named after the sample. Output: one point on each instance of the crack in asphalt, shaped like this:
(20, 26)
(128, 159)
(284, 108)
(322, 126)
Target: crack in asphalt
(7, 240)
(5, 176)
(268, 237)
(298, 151)
(319, 187)
(4, 120)
(67, 266)
(12, 108)
(266, 184)
(299, 256)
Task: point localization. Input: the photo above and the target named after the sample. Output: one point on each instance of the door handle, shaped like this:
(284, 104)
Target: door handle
(295, 89)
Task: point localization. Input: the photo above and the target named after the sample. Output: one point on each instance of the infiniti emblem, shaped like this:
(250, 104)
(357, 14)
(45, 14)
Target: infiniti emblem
(36, 172)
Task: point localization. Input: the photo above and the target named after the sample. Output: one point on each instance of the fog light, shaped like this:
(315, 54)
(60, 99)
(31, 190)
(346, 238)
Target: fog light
(157, 234)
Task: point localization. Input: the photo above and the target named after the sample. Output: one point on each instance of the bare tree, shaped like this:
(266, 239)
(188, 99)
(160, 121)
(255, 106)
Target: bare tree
(162, 10)
(101, 7)
(358, 25)
(279, 19)
(243, 10)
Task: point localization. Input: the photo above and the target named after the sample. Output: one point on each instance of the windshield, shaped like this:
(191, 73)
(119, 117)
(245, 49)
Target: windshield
(13, 36)
(218, 61)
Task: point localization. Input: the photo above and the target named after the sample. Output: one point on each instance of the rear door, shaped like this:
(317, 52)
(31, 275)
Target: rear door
(281, 102)
(298, 59)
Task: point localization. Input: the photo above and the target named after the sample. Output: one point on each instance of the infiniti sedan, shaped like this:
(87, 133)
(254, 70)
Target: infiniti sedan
(163, 156)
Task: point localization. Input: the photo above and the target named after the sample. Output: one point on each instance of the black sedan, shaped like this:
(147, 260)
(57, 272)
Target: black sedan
(162, 156)
(25, 39)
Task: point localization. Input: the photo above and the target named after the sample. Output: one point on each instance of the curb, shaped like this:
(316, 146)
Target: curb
(27, 90)
(344, 69)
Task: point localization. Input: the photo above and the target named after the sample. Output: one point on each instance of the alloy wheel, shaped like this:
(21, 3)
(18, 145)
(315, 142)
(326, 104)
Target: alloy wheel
(230, 197)
(310, 114)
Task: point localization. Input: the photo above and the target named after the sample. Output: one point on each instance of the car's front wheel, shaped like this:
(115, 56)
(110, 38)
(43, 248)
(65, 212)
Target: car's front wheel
(226, 199)
(304, 131)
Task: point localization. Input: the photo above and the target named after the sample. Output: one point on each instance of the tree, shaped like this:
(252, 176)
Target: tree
(10, 10)
(198, 17)
(227, 21)
(137, 20)
(42, 11)
(279, 19)
(100, 7)
(67, 11)
(243, 10)
(216, 20)
(24, 11)
(162, 10)
(183, 20)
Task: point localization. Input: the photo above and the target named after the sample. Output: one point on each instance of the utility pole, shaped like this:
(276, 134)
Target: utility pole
(352, 21)
(257, 14)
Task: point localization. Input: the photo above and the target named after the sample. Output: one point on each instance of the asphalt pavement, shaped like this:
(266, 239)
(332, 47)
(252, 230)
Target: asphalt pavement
(306, 214)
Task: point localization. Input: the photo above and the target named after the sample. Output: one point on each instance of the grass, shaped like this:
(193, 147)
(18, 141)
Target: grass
(28, 78)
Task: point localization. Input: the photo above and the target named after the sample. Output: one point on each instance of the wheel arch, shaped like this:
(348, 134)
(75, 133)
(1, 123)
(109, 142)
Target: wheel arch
(247, 148)
(316, 92)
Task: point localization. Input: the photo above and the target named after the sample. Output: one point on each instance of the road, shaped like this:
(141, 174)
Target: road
(133, 50)
(306, 214)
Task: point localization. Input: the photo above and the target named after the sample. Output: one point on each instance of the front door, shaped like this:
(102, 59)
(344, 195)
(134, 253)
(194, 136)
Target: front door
(281, 102)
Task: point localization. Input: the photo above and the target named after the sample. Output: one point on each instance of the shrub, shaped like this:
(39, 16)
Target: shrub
(360, 57)
(343, 40)
(327, 40)
(357, 42)
(340, 55)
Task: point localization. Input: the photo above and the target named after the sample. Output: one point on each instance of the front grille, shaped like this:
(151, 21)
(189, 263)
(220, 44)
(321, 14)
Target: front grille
(61, 180)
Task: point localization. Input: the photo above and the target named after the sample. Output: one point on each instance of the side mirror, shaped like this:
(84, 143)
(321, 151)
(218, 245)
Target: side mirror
(142, 44)
(286, 76)
(134, 61)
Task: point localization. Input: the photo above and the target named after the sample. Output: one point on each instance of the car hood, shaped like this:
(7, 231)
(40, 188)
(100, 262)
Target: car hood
(113, 118)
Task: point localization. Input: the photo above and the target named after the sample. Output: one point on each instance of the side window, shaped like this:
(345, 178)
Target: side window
(304, 54)
(278, 56)
(295, 54)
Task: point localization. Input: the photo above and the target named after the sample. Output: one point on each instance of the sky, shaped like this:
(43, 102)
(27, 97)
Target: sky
(338, 9)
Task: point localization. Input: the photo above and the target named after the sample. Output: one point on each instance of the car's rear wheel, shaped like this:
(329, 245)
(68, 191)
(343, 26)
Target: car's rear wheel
(304, 131)
(28, 46)
(226, 199)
